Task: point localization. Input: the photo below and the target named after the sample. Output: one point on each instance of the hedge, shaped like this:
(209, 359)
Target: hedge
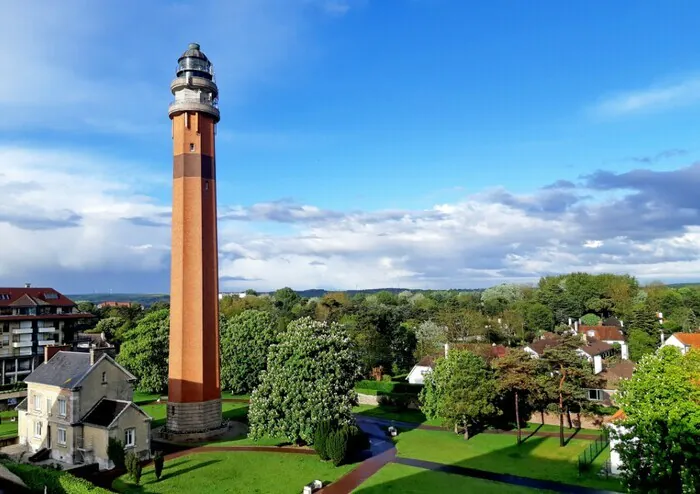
(389, 387)
(56, 481)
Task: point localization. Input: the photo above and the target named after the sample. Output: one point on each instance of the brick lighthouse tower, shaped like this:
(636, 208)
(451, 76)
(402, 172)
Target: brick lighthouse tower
(194, 393)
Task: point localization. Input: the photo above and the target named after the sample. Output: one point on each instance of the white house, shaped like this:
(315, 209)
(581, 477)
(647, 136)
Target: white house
(423, 367)
(683, 341)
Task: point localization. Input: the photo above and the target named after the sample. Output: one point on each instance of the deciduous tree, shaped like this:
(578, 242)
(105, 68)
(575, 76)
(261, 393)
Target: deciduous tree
(461, 391)
(659, 439)
(309, 379)
(245, 340)
(145, 351)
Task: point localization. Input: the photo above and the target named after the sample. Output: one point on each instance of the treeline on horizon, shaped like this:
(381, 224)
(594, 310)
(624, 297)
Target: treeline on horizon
(147, 299)
(394, 329)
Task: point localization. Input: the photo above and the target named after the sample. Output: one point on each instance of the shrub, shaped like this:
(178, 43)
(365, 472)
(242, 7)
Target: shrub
(137, 472)
(131, 461)
(115, 452)
(323, 431)
(337, 446)
(55, 481)
(386, 378)
(158, 461)
(357, 440)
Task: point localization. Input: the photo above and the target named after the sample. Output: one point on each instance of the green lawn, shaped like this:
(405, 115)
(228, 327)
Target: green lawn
(7, 427)
(538, 457)
(229, 395)
(246, 441)
(403, 479)
(231, 411)
(140, 398)
(235, 472)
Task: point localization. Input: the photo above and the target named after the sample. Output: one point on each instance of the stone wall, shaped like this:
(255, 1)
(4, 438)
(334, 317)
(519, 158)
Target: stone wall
(194, 417)
(582, 421)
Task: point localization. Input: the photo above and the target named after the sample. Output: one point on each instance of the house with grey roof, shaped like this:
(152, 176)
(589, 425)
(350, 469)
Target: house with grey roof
(76, 402)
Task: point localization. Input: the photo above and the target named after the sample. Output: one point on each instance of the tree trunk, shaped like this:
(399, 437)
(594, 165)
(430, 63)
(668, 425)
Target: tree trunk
(456, 428)
(517, 419)
(542, 415)
(568, 418)
(466, 431)
(561, 421)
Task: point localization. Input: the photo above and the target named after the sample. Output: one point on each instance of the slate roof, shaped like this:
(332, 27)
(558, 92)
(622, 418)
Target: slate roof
(104, 412)
(603, 333)
(32, 297)
(65, 369)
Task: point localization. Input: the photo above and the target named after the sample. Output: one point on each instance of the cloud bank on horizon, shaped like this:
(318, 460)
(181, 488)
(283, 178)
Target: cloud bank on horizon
(68, 220)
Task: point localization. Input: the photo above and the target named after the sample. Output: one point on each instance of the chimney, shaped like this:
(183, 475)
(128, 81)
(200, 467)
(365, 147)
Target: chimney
(570, 322)
(51, 350)
(447, 349)
(597, 364)
(95, 354)
(27, 285)
(622, 323)
(576, 326)
(625, 353)
(662, 338)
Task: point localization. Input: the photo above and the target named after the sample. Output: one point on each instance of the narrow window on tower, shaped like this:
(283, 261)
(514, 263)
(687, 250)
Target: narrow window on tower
(192, 146)
(187, 120)
(206, 185)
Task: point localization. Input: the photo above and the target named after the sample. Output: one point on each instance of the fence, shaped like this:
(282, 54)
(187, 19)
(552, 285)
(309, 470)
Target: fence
(586, 458)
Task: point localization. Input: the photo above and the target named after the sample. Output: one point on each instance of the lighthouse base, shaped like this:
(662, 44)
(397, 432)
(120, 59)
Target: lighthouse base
(194, 418)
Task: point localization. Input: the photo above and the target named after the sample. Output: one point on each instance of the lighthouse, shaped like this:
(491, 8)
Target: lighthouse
(194, 393)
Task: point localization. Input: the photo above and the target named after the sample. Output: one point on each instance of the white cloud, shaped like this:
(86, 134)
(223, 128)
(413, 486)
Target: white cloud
(661, 97)
(67, 218)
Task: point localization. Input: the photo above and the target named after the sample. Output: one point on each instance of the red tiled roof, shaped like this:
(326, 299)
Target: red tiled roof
(612, 375)
(32, 297)
(603, 333)
(689, 339)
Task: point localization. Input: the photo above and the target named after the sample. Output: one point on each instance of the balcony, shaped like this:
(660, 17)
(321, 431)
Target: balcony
(22, 344)
(48, 329)
(46, 342)
(23, 331)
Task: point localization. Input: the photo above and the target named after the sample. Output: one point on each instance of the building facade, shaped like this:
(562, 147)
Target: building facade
(75, 403)
(30, 319)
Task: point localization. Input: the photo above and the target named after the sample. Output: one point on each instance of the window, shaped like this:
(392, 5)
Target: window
(191, 146)
(61, 436)
(48, 405)
(37, 402)
(50, 296)
(595, 394)
(37, 429)
(129, 437)
(4, 296)
(62, 407)
(206, 185)
(104, 378)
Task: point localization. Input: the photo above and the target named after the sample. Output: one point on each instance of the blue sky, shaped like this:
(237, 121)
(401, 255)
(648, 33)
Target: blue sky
(362, 143)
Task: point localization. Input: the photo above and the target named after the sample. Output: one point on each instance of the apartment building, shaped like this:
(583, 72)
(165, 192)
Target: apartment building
(30, 319)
